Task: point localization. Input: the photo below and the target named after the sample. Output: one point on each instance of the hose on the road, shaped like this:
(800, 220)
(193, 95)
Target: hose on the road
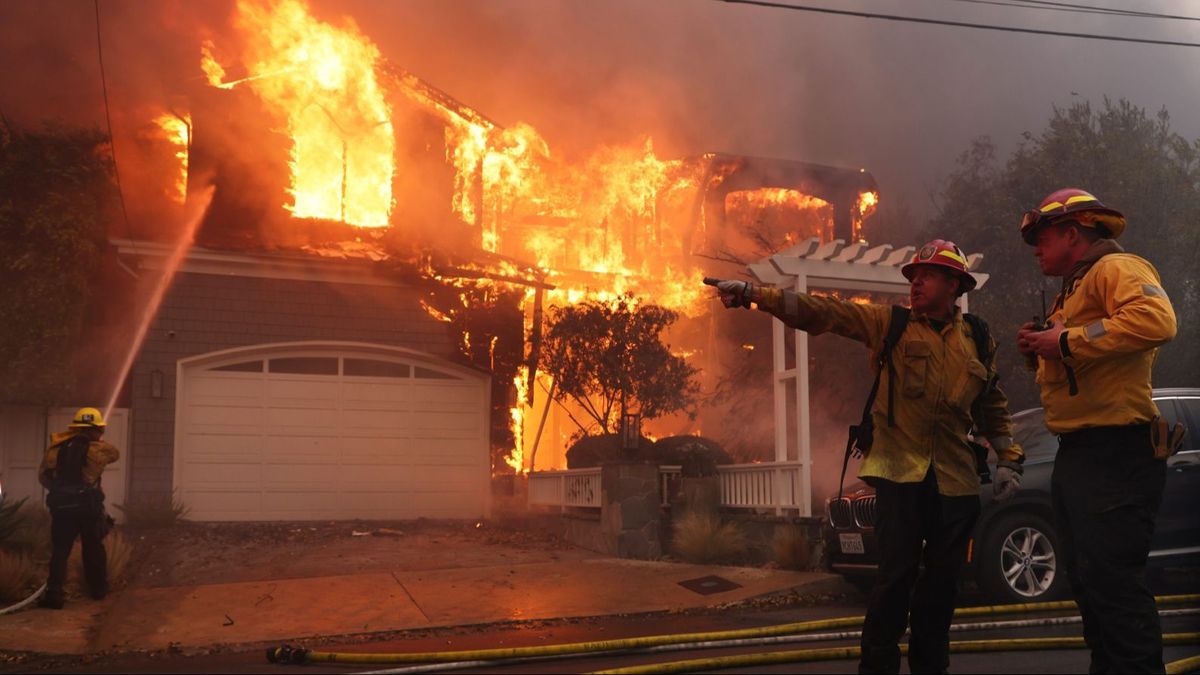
(840, 653)
(1189, 665)
(748, 642)
(296, 655)
(12, 608)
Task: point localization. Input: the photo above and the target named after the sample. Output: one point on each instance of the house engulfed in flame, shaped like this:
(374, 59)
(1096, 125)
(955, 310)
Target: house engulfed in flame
(326, 157)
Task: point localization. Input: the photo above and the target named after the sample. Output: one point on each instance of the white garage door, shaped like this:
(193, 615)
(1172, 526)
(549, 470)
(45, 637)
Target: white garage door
(290, 433)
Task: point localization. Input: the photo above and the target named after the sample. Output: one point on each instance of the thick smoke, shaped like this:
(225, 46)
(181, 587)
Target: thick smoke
(899, 99)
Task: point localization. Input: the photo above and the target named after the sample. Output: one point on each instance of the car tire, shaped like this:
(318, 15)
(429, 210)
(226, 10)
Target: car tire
(1020, 560)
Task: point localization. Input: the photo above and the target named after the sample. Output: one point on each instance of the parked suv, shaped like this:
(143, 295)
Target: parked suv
(1013, 554)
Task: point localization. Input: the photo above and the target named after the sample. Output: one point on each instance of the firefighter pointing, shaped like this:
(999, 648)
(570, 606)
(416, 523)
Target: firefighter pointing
(936, 381)
(70, 471)
(1093, 369)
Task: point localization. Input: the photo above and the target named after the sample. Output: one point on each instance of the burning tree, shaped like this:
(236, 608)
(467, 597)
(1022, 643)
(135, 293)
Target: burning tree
(609, 358)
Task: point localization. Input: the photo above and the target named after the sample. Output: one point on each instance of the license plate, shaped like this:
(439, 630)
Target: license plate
(851, 542)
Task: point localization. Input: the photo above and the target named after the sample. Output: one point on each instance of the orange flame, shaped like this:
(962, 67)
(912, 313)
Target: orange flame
(324, 81)
(178, 131)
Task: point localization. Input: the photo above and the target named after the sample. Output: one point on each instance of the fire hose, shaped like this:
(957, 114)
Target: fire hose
(839, 653)
(296, 655)
(750, 642)
(12, 608)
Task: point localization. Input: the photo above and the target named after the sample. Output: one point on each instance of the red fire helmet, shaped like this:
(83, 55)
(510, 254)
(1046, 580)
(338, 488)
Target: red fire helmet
(1080, 206)
(943, 254)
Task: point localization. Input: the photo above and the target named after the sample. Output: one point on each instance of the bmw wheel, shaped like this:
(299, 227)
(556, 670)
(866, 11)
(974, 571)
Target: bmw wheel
(1019, 560)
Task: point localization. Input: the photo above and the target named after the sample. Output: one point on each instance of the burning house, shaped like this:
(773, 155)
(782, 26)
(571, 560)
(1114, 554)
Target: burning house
(349, 323)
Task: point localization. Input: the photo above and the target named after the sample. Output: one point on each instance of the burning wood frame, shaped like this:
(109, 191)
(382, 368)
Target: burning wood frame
(317, 146)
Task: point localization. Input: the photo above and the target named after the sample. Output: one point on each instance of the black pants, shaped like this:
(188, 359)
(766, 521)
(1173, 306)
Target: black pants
(915, 525)
(1106, 488)
(65, 526)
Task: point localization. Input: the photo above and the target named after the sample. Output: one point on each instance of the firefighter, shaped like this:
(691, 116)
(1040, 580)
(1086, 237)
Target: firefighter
(1093, 369)
(921, 463)
(70, 472)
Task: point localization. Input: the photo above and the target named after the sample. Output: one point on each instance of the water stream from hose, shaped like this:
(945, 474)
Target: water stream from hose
(197, 207)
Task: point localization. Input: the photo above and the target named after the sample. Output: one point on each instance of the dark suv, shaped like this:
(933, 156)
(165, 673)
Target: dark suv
(1013, 552)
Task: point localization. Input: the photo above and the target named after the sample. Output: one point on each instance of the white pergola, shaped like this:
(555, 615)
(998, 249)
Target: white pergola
(834, 265)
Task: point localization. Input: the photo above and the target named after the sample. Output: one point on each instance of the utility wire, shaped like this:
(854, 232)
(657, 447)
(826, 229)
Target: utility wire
(1077, 9)
(957, 24)
(112, 141)
(1109, 10)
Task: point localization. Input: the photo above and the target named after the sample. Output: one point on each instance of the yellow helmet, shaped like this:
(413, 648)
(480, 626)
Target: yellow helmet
(88, 418)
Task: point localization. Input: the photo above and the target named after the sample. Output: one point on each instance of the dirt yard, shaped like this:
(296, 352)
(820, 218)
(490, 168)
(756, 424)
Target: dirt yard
(212, 553)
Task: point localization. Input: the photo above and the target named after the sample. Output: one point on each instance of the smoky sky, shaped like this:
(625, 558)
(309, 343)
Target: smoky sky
(901, 100)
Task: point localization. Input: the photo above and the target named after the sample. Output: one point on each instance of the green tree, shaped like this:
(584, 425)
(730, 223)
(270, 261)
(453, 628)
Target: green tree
(1133, 162)
(608, 356)
(55, 193)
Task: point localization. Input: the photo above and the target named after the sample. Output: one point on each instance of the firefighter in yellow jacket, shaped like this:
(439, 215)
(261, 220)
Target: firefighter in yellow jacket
(921, 464)
(1093, 367)
(70, 472)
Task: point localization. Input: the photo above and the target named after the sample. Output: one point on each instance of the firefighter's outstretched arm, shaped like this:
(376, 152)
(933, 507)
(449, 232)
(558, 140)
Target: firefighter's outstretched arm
(1140, 315)
(865, 323)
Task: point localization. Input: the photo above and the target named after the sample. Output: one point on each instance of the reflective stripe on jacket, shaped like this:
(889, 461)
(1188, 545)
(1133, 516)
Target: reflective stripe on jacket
(1116, 316)
(939, 377)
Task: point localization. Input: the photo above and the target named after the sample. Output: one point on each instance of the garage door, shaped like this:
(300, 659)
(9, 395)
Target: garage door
(306, 433)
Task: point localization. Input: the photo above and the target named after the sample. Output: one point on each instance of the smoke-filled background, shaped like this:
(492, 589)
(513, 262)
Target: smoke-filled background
(900, 99)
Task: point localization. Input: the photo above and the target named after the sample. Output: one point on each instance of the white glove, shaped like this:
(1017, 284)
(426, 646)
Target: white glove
(1006, 483)
(735, 293)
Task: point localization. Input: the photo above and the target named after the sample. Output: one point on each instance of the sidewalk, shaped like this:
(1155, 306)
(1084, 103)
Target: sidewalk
(191, 617)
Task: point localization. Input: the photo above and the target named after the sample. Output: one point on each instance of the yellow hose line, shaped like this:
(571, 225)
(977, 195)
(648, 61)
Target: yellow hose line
(1187, 665)
(836, 653)
(656, 640)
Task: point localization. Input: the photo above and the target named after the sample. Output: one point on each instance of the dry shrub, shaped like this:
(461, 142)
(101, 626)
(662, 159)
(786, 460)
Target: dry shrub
(18, 576)
(117, 549)
(30, 534)
(703, 538)
(791, 549)
(153, 511)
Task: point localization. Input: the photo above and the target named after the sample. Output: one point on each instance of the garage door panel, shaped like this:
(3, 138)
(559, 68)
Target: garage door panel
(296, 421)
(460, 401)
(267, 445)
(301, 448)
(358, 421)
(355, 448)
(224, 417)
(396, 391)
(221, 446)
(222, 475)
(312, 477)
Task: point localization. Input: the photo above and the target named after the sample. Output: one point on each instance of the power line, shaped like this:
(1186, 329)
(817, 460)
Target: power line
(1076, 9)
(112, 141)
(957, 24)
(1109, 10)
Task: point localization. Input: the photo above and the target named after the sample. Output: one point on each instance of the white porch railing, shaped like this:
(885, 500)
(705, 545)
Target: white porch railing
(578, 488)
(769, 485)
